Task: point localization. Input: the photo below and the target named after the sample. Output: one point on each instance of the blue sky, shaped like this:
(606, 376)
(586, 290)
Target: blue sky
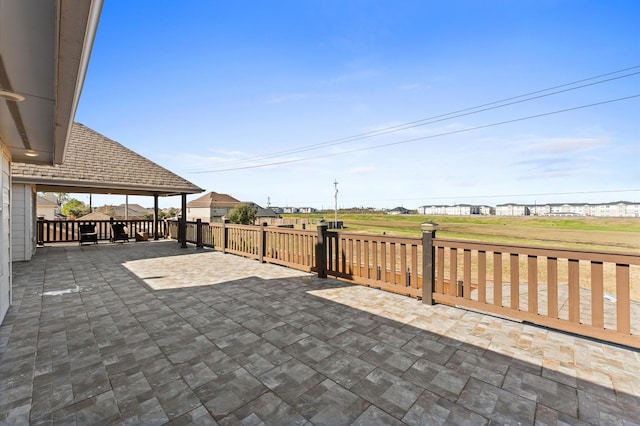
(244, 97)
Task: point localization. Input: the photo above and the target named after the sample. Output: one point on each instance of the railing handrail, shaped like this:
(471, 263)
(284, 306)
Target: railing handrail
(627, 258)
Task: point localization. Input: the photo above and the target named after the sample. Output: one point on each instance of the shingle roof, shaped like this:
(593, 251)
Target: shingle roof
(97, 164)
(47, 200)
(215, 200)
(96, 215)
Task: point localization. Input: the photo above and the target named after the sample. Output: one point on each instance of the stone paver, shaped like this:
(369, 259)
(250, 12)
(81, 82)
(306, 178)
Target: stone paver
(149, 333)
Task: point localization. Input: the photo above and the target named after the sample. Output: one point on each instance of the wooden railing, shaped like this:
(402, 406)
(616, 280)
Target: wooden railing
(289, 247)
(52, 231)
(281, 246)
(389, 263)
(595, 294)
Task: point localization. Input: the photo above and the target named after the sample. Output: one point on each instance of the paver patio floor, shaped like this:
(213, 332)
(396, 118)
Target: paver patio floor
(149, 333)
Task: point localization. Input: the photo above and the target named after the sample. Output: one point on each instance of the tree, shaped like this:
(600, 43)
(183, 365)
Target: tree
(75, 208)
(244, 214)
(63, 197)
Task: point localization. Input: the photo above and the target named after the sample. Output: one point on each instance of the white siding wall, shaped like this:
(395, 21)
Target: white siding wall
(23, 225)
(5, 232)
(202, 213)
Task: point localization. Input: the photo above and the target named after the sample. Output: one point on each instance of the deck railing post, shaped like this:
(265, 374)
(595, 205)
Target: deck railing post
(182, 223)
(321, 251)
(262, 248)
(428, 256)
(199, 233)
(41, 231)
(225, 235)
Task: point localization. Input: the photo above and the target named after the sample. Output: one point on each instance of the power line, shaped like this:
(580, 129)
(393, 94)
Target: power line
(500, 123)
(443, 117)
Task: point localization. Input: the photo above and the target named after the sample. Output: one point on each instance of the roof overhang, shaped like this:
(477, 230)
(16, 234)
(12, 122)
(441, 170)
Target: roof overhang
(44, 54)
(46, 185)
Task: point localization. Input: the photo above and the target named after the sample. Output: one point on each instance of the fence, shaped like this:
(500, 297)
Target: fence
(282, 246)
(595, 294)
(52, 231)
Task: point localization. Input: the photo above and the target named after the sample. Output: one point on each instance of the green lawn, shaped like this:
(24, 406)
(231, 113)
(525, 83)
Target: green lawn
(611, 234)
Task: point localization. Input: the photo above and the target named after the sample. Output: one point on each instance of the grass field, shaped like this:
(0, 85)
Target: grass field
(606, 234)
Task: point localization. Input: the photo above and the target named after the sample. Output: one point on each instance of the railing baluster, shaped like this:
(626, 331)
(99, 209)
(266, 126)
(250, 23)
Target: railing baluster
(392, 262)
(482, 276)
(497, 278)
(532, 284)
(366, 259)
(453, 271)
(514, 272)
(383, 261)
(403, 264)
(414, 266)
(552, 287)
(440, 270)
(623, 311)
(466, 286)
(597, 295)
(574, 290)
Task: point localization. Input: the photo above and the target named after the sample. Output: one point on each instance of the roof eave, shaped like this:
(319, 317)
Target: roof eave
(78, 23)
(61, 185)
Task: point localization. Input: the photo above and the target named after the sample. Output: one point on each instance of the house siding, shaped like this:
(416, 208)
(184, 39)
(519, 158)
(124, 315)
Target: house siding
(5, 232)
(23, 222)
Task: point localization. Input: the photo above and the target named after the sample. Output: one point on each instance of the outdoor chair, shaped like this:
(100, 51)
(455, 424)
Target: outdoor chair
(119, 232)
(87, 234)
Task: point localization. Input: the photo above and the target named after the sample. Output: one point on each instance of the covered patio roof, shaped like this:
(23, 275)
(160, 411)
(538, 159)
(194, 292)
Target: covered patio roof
(98, 165)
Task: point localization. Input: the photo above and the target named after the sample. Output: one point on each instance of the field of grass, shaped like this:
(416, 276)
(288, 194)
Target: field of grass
(607, 234)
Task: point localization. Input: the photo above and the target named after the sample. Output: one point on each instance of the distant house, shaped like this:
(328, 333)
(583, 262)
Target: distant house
(512, 210)
(398, 210)
(486, 210)
(290, 210)
(307, 210)
(454, 210)
(432, 210)
(615, 209)
(213, 207)
(540, 209)
(124, 211)
(96, 215)
(262, 213)
(47, 206)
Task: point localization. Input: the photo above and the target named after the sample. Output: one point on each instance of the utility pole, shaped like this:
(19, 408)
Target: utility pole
(268, 202)
(335, 223)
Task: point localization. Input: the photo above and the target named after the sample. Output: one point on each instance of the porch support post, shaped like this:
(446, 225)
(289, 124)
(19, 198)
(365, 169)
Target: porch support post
(155, 216)
(428, 256)
(182, 224)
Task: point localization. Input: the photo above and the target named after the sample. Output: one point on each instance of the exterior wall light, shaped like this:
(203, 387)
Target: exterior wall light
(11, 96)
